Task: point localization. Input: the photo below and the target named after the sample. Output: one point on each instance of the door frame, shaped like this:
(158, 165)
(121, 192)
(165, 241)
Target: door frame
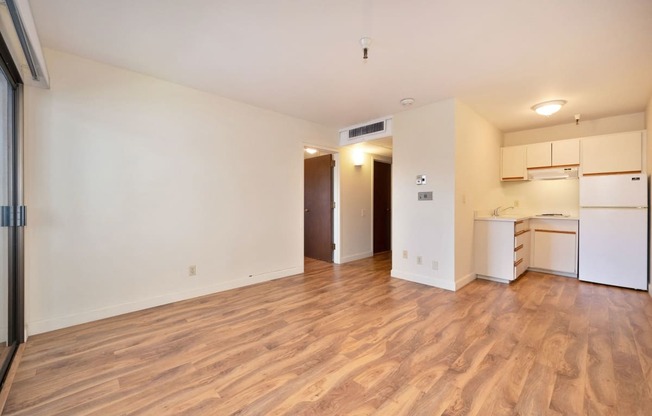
(337, 253)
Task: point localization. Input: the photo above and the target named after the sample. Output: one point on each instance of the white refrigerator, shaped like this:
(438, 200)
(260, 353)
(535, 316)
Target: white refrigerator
(613, 246)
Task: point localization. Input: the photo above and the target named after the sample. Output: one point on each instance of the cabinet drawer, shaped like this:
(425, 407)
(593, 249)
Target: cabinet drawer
(520, 266)
(522, 238)
(520, 226)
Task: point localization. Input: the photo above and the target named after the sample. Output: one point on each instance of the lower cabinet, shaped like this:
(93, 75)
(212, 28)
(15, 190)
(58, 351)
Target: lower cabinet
(505, 249)
(502, 248)
(554, 247)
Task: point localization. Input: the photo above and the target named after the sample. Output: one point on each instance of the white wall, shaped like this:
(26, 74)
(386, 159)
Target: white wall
(536, 197)
(355, 206)
(607, 125)
(477, 182)
(424, 143)
(131, 179)
(648, 126)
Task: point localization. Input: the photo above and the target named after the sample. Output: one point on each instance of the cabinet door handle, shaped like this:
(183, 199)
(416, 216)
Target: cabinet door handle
(537, 230)
(516, 234)
(518, 248)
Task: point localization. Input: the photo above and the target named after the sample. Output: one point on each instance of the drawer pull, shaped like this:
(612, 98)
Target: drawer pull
(518, 248)
(517, 262)
(518, 222)
(536, 230)
(514, 177)
(516, 234)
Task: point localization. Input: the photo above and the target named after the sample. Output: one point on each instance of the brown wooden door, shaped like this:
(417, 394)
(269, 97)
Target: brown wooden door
(382, 206)
(318, 208)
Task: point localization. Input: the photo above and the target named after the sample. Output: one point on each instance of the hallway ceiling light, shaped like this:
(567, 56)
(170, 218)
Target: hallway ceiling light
(548, 108)
(310, 150)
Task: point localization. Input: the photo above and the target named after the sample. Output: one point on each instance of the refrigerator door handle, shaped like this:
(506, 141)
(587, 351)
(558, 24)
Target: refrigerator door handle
(611, 207)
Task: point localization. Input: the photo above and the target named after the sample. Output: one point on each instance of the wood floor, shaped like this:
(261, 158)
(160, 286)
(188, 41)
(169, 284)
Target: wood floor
(348, 339)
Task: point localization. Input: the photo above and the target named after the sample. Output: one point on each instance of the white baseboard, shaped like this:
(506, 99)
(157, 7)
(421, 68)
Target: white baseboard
(46, 325)
(424, 280)
(354, 257)
(460, 283)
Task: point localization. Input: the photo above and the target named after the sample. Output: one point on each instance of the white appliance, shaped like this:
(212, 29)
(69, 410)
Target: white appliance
(613, 246)
(552, 173)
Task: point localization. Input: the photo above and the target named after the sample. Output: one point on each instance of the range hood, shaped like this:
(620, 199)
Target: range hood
(552, 173)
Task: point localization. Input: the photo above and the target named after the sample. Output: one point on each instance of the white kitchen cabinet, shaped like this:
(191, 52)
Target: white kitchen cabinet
(555, 251)
(558, 153)
(539, 155)
(566, 152)
(512, 164)
(554, 246)
(502, 248)
(612, 153)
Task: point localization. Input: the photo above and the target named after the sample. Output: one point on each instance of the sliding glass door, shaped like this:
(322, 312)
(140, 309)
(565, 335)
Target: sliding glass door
(12, 213)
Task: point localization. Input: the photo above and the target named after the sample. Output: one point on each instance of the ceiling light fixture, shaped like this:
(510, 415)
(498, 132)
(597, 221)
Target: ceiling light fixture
(310, 150)
(365, 42)
(406, 102)
(547, 108)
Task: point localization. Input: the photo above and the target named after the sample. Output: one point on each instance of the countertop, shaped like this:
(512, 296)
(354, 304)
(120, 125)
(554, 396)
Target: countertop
(514, 218)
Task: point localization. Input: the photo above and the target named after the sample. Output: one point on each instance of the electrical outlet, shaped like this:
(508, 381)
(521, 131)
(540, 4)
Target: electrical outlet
(419, 260)
(405, 254)
(435, 265)
(192, 271)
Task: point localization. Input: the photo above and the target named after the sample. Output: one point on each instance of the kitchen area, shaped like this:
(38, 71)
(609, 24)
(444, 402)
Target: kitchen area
(591, 220)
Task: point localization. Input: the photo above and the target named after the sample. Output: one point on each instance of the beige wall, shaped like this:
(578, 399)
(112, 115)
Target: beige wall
(607, 125)
(424, 144)
(648, 126)
(131, 179)
(477, 182)
(355, 206)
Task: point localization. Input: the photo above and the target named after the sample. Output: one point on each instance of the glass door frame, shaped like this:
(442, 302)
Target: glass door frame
(16, 235)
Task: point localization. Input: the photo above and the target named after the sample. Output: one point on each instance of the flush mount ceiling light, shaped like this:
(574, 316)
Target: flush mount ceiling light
(310, 150)
(406, 102)
(365, 42)
(547, 108)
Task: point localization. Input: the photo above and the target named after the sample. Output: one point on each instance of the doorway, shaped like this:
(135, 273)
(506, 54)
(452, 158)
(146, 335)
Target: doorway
(318, 207)
(382, 200)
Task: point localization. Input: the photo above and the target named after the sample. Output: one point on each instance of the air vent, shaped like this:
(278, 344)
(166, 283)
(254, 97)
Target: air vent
(371, 130)
(368, 129)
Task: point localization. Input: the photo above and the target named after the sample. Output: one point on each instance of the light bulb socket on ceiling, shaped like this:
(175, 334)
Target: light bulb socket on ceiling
(548, 108)
(365, 42)
(406, 102)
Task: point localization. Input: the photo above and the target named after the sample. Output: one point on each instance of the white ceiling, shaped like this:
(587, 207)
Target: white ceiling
(303, 58)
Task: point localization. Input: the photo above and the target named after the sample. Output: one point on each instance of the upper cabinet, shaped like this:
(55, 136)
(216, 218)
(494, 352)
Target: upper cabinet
(548, 154)
(566, 152)
(512, 163)
(539, 155)
(613, 153)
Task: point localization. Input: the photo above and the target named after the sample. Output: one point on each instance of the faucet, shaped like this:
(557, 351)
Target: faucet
(500, 209)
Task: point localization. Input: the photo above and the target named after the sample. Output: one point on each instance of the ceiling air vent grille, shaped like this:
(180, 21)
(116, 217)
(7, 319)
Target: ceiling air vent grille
(368, 129)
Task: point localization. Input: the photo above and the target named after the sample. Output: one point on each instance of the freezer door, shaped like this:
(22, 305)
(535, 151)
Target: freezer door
(613, 246)
(613, 191)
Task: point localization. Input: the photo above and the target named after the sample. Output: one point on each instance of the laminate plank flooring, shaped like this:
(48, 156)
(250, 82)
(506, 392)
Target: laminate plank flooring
(350, 340)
